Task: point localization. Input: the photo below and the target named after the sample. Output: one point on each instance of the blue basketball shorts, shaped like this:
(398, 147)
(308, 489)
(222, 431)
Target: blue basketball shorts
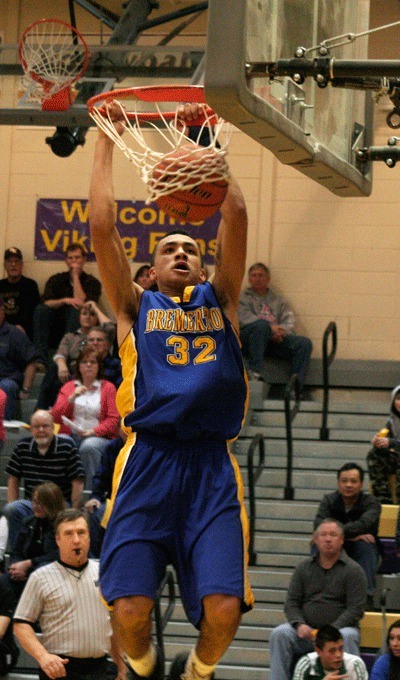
(178, 503)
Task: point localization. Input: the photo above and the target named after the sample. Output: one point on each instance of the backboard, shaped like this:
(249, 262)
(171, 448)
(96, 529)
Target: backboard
(312, 129)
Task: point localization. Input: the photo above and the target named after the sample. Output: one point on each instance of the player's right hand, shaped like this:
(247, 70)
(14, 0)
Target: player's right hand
(115, 112)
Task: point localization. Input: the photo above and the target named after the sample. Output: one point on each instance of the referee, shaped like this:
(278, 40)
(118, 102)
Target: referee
(63, 596)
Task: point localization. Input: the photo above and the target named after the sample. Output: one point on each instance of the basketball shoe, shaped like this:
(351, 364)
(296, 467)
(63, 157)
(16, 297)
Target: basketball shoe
(178, 670)
(157, 674)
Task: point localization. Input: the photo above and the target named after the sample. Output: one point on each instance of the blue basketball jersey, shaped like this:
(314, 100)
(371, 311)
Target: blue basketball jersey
(183, 373)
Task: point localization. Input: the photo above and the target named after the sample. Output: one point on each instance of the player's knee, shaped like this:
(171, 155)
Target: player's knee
(132, 613)
(222, 612)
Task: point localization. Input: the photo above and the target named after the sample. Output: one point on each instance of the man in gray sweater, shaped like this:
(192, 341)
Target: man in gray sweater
(267, 326)
(326, 588)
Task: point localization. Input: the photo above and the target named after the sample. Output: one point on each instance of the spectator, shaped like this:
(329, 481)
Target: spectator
(326, 588)
(35, 543)
(63, 365)
(329, 660)
(387, 667)
(98, 504)
(142, 277)
(85, 408)
(359, 513)
(267, 327)
(64, 598)
(63, 296)
(383, 459)
(17, 363)
(41, 457)
(98, 339)
(20, 294)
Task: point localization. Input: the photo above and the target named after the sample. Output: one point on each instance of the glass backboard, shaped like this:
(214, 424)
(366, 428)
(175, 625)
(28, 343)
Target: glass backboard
(310, 128)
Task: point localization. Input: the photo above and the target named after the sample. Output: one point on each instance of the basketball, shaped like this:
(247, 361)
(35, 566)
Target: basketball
(196, 203)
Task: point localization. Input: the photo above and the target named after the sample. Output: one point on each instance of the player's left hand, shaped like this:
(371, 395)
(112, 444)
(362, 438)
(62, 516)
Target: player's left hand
(190, 112)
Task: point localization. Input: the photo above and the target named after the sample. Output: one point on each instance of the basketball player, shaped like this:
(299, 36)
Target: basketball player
(179, 496)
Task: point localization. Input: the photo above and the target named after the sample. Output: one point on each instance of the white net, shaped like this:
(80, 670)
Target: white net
(164, 173)
(53, 56)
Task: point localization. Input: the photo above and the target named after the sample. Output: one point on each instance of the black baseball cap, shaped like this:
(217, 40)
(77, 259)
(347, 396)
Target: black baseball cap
(13, 252)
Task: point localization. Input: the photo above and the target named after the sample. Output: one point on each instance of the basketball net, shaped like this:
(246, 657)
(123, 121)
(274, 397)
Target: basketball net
(53, 55)
(195, 165)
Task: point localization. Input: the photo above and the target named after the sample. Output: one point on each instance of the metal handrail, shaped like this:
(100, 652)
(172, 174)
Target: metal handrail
(161, 620)
(290, 413)
(330, 330)
(253, 476)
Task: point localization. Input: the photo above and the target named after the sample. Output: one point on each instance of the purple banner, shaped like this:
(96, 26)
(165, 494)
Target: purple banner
(61, 221)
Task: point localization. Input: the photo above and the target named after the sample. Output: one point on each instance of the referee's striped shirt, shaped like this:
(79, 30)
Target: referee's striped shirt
(66, 602)
(60, 464)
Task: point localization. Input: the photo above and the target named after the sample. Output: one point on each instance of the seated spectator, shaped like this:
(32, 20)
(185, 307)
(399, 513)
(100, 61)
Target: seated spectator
(329, 660)
(267, 327)
(85, 409)
(326, 588)
(20, 294)
(101, 492)
(383, 460)
(63, 365)
(387, 666)
(98, 339)
(17, 363)
(359, 513)
(63, 296)
(142, 277)
(35, 543)
(41, 457)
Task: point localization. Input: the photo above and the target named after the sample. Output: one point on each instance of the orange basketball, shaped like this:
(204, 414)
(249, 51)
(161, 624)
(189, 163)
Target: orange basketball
(194, 204)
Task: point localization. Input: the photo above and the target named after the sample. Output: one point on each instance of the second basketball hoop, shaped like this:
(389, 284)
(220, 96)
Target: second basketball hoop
(54, 55)
(189, 182)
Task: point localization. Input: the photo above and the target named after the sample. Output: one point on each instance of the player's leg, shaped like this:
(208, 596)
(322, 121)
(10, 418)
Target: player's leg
(221, 619)
(132, 626)
(134, 555)
(135, 568)
(210, 563)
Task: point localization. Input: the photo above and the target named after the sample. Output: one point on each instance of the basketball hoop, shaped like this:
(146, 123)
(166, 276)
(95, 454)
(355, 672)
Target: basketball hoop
(53, 55)
(184, 164)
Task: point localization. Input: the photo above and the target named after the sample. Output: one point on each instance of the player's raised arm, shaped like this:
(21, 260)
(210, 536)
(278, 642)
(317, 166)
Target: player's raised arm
(111, 258)
(230, 255)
